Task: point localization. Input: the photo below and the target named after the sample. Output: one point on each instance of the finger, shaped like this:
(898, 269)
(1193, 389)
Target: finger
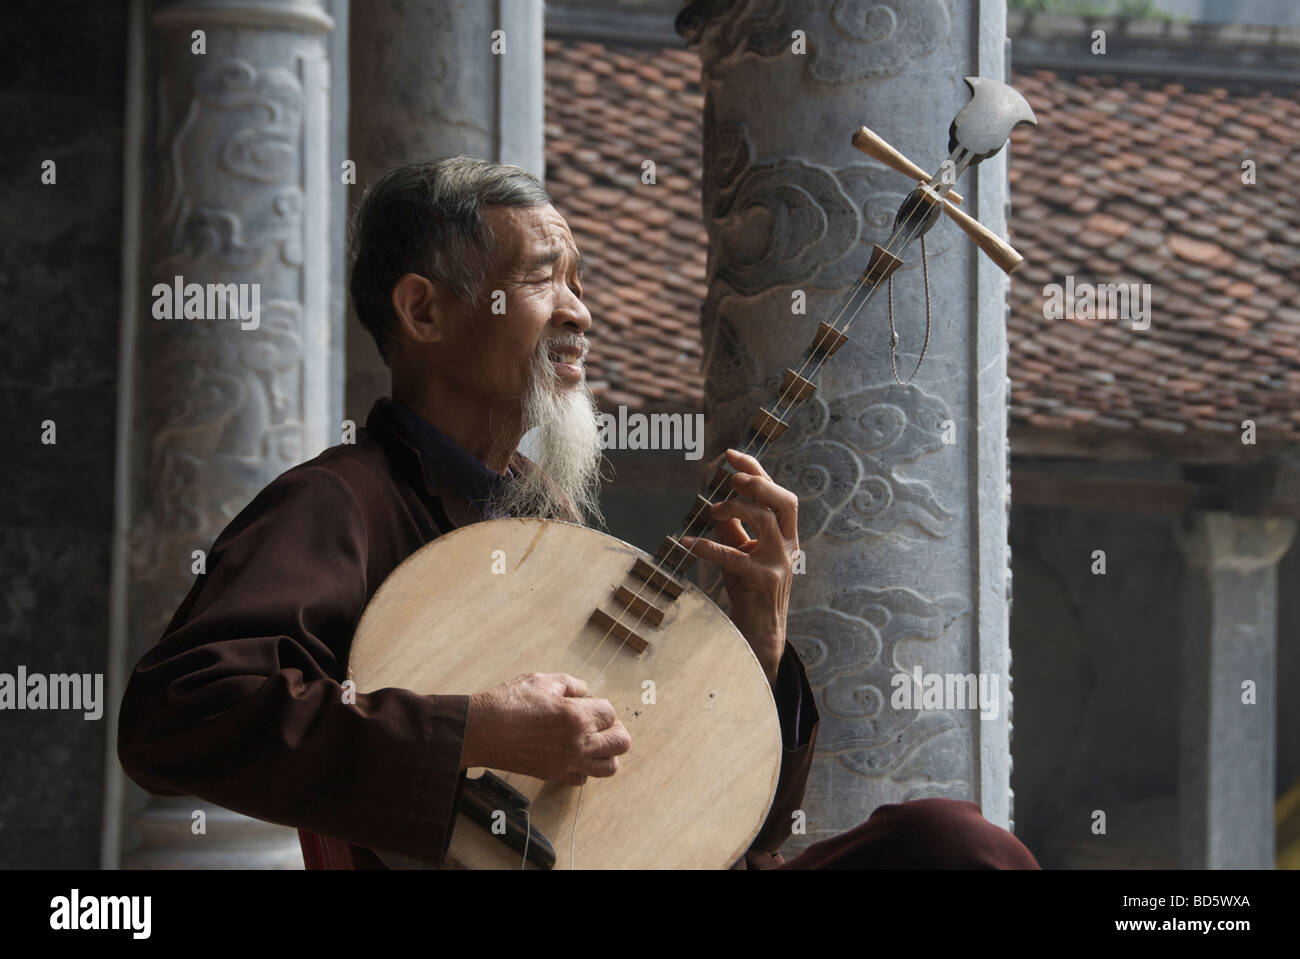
(570, 685)
(724, 557)
(746, 463)
(731, 533)
(761, 520)
(600, 713)
(574, 779)
(614, 741)
(555, 684)
(601, 768)
(765, 492)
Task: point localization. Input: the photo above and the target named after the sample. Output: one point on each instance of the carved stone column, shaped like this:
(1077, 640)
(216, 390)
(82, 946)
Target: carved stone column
(903, 489)
(433, 79)
(223, 406)
(1228, 712)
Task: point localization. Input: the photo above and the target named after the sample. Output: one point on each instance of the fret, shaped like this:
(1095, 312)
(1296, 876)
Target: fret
(700, 516)
(795, 388)
(827, 341)
(768, 425)
(638, 607)
(674, 555)
(883, 263)
(657, 578)
(611, 626)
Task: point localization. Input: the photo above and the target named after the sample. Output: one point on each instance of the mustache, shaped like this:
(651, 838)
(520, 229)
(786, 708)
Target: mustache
(571, 341)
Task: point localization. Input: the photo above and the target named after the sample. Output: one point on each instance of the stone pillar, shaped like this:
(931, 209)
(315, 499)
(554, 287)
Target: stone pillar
(903, 489)
(432, 79)
(241, 181)
(1228, 711)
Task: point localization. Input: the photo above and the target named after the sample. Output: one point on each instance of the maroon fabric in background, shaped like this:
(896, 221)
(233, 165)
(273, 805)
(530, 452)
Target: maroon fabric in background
(922, 834)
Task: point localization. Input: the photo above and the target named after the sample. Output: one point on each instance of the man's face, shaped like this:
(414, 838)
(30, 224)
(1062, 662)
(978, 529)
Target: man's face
(522, 363)
(534, 278)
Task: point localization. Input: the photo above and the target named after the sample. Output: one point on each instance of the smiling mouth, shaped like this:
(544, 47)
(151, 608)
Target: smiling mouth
(570, 357)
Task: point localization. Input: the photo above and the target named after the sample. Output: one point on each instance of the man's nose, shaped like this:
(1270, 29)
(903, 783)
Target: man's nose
(572, 313)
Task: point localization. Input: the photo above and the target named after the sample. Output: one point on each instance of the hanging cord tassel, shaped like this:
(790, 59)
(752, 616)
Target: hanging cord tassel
(893, 333)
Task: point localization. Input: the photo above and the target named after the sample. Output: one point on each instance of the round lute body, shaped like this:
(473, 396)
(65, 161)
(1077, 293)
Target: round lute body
(493, 600)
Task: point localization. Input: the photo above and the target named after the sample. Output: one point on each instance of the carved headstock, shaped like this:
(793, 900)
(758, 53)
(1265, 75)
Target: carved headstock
(980, 129)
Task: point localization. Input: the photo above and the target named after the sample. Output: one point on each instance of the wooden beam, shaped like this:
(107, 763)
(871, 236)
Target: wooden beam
(1045, 488)
(1145, 447)
(1257, 489)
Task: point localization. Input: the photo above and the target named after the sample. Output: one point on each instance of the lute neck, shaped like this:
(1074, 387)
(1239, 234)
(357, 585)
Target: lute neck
(919, 212)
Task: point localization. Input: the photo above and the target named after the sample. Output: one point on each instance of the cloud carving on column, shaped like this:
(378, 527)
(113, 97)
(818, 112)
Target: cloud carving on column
(775, 222)
(842, 464)
(783, 221)
(898, 32)
(851, 652)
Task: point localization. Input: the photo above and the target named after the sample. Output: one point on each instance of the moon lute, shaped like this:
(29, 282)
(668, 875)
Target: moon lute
(706, 746)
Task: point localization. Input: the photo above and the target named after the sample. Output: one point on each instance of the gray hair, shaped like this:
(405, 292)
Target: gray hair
(427, 218)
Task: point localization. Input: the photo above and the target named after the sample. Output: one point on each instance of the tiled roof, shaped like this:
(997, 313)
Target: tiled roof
(1142, 183)
(608, 111)
(1123, 181)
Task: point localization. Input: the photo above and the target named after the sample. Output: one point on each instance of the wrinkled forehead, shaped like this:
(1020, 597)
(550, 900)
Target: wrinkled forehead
(533, 233)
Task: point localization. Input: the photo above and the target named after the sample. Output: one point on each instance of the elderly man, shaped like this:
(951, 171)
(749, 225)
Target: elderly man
(470, 283)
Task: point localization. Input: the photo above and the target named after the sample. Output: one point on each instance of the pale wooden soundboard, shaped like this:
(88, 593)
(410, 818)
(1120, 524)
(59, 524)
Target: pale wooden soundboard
(697, 784)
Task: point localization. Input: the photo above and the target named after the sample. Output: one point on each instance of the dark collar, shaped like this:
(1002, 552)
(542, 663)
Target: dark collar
(422, 467)
(401, 448)
(473, 479)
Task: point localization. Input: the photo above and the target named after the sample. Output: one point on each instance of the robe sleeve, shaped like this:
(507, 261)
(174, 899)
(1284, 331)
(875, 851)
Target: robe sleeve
(240, 702)
(799, 719)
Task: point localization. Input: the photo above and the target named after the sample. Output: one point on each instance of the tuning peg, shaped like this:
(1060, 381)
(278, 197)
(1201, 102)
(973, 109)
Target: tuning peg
(1002, 253)
(999, 251)
(874, 146)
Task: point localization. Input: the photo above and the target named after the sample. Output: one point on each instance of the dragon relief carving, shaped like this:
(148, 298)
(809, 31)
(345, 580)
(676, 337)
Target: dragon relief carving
(267, 152)
(226, 415)
(728, 362)
(218, 233)
(246, 123)
(225, 402)
(730, 151)
(772, 223)
(789, 223)
(799, 214)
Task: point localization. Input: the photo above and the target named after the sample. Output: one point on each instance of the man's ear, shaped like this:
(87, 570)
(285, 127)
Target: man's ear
(421, 307)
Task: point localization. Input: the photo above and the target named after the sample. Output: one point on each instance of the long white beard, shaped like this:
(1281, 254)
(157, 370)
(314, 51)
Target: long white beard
(566, 450)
